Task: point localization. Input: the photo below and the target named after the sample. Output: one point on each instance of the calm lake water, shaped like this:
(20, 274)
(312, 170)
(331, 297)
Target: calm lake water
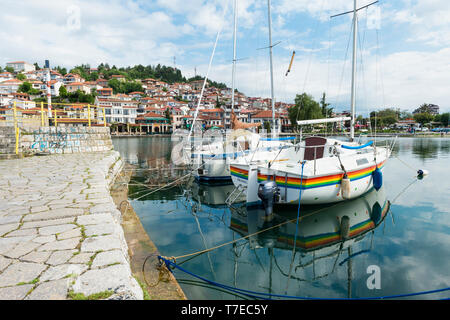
(401, 233)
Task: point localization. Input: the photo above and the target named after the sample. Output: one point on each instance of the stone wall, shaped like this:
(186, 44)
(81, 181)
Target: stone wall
(66, 140)
(7, 140)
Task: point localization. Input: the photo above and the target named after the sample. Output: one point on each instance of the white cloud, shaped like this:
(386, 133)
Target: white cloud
(116, 32)
(137, 32)
(403, 79)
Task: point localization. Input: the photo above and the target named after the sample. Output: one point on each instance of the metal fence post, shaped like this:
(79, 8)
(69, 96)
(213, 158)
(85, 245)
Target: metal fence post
(104, 117)
(89, 115)
(42, 113)
(15, 114)
(16, 128)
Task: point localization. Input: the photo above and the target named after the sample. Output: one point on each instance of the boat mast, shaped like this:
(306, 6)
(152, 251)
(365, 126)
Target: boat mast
(353, 97)
(271, 68)
(355, 35)
(234, 56)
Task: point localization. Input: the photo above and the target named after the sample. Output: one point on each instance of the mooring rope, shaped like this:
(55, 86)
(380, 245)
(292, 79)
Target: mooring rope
(415, 170)
(264, 295)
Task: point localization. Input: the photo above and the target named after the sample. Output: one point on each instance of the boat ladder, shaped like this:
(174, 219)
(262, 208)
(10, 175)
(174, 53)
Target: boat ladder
(235, 194)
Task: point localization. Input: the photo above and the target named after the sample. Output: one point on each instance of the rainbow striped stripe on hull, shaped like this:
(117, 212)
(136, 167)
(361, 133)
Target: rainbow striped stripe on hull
(308, 182)
(315, 190)
(317, 182)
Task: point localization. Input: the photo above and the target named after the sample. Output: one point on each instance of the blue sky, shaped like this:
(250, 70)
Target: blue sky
(407, 66)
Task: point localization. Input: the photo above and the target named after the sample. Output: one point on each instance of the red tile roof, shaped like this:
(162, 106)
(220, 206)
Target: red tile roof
(265, 114)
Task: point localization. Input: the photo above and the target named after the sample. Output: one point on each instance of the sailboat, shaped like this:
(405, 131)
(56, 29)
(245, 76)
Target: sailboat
(211, 158)
(317, 170)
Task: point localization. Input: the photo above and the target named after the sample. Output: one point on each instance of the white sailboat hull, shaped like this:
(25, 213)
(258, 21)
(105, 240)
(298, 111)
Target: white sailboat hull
(320, 182)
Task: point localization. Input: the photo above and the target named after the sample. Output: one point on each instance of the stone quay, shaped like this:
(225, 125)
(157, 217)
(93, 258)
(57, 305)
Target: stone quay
(60, 231)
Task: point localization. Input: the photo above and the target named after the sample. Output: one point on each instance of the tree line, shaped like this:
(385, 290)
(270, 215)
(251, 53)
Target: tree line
(306, 108)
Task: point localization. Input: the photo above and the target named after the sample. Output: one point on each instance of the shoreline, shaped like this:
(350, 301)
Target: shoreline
(140, 245)
(380, 135)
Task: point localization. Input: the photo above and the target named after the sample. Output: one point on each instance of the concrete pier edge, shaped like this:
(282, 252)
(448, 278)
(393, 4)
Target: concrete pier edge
(61, 234)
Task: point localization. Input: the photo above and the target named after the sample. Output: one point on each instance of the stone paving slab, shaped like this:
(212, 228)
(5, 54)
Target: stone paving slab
(60, 231)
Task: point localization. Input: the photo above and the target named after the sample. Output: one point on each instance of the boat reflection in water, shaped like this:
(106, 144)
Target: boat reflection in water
(214, 195)
(324, 232)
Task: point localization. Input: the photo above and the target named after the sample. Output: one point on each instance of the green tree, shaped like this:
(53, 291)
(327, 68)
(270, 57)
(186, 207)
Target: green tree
(384, 117)
(115, 85)
(168, 115)
(21, 77)
(63, 92)
(324, 105)
(124, 87)
(443, 118)
(25, 87)
(9, 69)
(305, 109)
(62, 71)
(423, 118)
(424, 108)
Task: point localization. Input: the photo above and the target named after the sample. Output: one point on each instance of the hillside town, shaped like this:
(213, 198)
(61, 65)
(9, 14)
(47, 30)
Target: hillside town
(157, 107)
(160, 107)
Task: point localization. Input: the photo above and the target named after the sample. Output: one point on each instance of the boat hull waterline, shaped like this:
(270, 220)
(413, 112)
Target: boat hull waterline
(314, 189)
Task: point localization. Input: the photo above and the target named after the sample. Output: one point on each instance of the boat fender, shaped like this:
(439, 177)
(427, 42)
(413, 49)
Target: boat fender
(345, 187)
(344, 227)
(377, 177)
(375, 214)
(422, 173)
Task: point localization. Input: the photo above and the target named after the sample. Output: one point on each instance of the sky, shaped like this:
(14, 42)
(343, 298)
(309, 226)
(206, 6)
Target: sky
(403, 45)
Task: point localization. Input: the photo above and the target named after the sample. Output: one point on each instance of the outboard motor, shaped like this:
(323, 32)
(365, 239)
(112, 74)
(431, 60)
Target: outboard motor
(268, 193)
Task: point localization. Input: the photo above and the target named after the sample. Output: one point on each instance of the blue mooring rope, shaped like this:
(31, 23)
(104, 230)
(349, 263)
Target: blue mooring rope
(263, 295)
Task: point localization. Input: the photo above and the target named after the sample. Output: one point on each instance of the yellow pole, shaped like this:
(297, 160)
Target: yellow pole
(56, 119)
(42, 113)
(15, 115)
(16, 129)
(17, 140)
(89, 115)
(104, 117)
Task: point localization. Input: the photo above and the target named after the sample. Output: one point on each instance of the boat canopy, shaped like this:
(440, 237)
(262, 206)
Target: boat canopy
(358, 147)
(326, 120)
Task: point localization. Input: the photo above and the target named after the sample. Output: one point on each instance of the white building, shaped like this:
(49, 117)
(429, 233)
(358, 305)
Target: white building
(74, 86)
(118, 111)
(21, 66)
(5, 98)
(22, 103)
(6, 76)
(9, 86)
